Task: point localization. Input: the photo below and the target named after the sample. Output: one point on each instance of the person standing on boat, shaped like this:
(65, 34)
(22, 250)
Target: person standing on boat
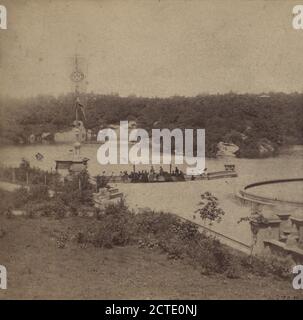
(161, 171)
(145, 176)
(181, 175)
(151, 175)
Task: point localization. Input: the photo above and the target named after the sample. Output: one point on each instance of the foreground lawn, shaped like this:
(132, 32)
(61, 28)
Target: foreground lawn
(41, 264)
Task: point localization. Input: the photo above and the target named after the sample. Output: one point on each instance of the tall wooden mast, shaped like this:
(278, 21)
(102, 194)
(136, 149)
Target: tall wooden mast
(77, 77)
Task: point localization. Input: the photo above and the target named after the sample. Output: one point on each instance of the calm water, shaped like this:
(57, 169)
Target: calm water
(181, 198)
(288, 165)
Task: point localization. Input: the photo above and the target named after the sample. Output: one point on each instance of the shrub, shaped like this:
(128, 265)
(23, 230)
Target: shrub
(6, 203)
(179, 239)
(116, 226)
(72, 195)
(38, 192)
(53, 207)
(270, 264)
(21, 197)
(75, 198)
(210, 209)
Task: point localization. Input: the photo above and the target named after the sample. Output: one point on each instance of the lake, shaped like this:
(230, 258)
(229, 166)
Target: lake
(181, 198)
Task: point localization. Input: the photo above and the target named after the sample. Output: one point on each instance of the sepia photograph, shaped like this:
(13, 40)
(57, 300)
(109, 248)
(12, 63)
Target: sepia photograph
(151, 150)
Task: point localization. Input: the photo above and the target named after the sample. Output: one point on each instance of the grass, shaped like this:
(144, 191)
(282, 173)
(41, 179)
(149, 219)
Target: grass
(60, 253)
(45, 261)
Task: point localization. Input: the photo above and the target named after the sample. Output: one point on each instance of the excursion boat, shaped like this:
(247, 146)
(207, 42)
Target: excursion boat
(229, 172)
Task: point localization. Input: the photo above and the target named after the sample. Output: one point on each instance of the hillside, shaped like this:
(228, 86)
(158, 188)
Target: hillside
(253, 122)
(48, 271)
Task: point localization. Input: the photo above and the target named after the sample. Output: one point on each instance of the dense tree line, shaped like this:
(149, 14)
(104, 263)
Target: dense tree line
(243, 119)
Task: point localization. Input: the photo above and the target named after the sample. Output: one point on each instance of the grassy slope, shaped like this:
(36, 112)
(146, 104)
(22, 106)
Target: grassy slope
(38, 268)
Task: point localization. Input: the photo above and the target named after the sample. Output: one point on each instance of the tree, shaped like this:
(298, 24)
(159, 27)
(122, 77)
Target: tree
(210, 210)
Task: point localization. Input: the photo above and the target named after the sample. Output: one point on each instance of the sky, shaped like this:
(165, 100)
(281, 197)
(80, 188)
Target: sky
(151, 48)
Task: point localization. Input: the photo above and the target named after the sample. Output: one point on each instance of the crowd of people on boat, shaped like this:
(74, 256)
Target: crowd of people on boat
(152, 175)
(155, 176)
(145, 176)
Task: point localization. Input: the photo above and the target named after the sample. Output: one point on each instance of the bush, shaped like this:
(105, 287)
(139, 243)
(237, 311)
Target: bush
(116, 227)
(270, 264)
(75, 198)
(38, 192)
(52, 208)
(21, 197)
(6, 203)
(210, 209)
(179, 239)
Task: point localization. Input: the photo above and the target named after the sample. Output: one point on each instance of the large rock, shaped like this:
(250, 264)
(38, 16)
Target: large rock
(265, 147)
(227, 149)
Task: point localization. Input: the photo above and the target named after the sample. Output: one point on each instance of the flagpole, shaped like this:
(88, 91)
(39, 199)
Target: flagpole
(76, 113)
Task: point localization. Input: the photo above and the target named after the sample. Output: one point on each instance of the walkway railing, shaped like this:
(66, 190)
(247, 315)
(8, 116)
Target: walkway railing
(27, 176)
